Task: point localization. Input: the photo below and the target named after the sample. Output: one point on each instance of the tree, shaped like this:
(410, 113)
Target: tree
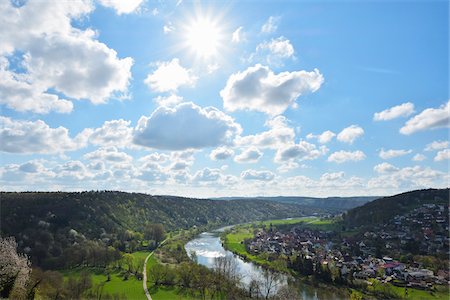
(15, 270)
(227, 267)
(51, 284)
(154, 232)
(270, 282)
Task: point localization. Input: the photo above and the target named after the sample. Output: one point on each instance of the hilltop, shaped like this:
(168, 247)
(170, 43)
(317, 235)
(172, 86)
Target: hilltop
(332, 204)
(385, 209)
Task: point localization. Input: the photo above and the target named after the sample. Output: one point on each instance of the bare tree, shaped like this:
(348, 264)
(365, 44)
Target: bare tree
(254, 289)
(227, 267)
(270, 282)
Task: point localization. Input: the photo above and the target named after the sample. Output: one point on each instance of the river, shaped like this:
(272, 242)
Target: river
(208, 246)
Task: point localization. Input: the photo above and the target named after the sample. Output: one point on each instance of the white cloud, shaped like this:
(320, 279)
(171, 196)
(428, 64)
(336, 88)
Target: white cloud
(388, 154)
(169, 76)
(274, 51)
(19, 94)
(343, 156)
(271, 25)
(207, 174)
(324, 137)
(72, 170)
(221, 153)
(385, 168)
(112, 133)
(109, 154)
(238, 35)
(430, 118)
(419, 157)
(168, 28)
(18, 136)
(302, 151)
(185, 126)
(250, 155)
(332, 176)
(258, 88)
(402, 110)
(170, 100)
(121, 6)
(57, 57)
(257, 175)
(278, 134)
(350, 134)
(409, 178)
(442, 155)
(179, 165)
(437, 145)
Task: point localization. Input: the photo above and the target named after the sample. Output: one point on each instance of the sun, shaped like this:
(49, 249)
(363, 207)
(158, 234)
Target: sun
(203, 37)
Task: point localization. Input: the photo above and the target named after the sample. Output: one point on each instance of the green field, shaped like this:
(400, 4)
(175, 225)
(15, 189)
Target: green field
(442, 293)
(131, 287)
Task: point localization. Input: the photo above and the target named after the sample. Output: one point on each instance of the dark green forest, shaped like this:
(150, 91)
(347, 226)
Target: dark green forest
(56, 228)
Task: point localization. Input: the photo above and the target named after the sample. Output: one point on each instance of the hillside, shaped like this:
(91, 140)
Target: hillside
(46, 225)
(332, 204)
(384, 209)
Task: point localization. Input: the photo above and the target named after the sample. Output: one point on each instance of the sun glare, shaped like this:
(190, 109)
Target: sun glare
(203, 38)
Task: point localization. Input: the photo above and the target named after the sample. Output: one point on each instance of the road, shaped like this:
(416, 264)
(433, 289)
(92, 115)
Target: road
(144, 273)
(144, 280)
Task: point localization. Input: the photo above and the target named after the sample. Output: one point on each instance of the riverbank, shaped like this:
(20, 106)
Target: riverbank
(234, 241)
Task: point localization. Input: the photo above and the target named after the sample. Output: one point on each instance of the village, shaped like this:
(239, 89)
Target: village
(385, 253)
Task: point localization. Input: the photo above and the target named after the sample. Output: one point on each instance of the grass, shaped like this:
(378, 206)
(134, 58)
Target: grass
(413, 294)
(132, 287)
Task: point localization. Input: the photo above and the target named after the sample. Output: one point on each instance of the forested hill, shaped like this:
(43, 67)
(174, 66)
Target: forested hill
(335, 204)
(46, 225)
(384, 209)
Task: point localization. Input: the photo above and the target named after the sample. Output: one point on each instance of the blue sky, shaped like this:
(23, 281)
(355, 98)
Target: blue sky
(203, 99)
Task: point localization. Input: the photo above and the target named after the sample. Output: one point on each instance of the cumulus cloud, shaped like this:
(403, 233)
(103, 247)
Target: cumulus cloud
(109, 154)
(302, 151)
(250, 155)
(169, 76)
(322, 138)
(57, 57)
(402, 110)
(409, 177)
(279, 134)
(257, 175)
(18, 136)
(72, 170)
(388, 154)
(170, 100)
(19, 94)
(122, 7)
(430, 118)
(350, 134)
(270, 25)
(274, 51)
(332, 176)
(385, 168)
(343, 156)
(437, 145)
(419, 157)
(207, 174)
(238, 35)
(221, 153)
(442, 155)
(112, 133)
(185, 126)
(259, 89)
